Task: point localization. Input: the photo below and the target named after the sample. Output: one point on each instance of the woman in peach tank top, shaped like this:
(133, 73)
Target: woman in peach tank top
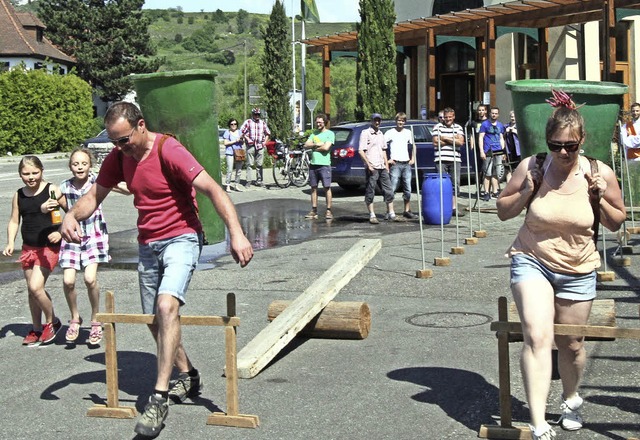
(554, 258)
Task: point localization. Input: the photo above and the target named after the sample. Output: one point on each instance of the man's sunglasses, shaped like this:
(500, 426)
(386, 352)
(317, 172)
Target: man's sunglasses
(123, 140)
(569, 147)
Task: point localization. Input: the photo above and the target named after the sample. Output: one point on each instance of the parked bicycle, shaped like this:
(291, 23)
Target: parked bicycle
(290, 165)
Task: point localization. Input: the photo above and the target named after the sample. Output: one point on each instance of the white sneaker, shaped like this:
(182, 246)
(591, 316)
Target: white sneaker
(549, 434)
(571, 420)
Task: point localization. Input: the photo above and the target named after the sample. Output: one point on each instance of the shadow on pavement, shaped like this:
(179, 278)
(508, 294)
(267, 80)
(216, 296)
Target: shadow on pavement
(464, 395)
(136, 377)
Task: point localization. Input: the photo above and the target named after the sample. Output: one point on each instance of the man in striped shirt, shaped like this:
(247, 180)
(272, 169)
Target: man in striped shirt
(448, 137)
(256, 134)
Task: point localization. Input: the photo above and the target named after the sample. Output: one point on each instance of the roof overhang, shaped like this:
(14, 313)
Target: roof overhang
(473, 22)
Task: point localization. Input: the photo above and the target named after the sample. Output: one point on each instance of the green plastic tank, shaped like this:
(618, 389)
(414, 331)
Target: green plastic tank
(602, 105)
(183, 103)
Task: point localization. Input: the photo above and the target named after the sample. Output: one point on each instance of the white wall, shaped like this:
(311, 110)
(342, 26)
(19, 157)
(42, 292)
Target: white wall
(31, 62)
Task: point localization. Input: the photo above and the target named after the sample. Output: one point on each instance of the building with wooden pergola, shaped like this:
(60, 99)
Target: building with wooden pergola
(453, 59)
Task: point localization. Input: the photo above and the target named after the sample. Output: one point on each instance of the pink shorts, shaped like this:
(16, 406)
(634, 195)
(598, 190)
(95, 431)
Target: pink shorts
(46, 257)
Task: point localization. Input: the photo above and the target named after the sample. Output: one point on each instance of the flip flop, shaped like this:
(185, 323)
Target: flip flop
(74, 330)
(95, 336)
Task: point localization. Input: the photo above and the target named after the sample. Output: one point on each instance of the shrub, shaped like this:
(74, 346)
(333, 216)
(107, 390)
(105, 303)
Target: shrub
(42, 112)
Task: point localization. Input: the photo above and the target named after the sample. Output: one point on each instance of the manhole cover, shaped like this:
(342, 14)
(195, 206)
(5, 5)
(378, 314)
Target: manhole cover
(448, 319)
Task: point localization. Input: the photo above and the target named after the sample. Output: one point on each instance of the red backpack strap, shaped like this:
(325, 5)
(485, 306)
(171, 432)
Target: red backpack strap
(167, 173)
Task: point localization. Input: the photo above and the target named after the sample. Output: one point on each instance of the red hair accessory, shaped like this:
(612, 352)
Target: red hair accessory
(562, 99)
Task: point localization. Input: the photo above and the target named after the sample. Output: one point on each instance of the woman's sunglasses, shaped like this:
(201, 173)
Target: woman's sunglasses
(569, 147)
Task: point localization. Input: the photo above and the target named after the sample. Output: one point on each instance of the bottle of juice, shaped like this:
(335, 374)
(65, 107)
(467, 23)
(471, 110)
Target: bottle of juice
(56, 215)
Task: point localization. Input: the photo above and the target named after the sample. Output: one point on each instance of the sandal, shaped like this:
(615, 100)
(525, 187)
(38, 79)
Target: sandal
(95, 336)
(74, 330)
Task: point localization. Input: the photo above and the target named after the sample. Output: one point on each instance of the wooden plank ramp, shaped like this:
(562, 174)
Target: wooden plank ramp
(272, 339)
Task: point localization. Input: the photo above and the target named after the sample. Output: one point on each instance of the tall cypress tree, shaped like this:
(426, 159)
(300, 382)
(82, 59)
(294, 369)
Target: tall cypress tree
(376, 76)
(108, 38)
(276, 68)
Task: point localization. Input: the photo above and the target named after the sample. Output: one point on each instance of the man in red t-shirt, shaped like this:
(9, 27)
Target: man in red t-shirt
(169, 236)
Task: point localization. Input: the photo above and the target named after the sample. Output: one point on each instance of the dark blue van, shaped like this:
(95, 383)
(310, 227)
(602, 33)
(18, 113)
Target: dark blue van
(347, 169)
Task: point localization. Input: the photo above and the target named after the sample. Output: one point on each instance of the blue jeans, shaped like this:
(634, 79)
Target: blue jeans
(401, 173)
(166, 266)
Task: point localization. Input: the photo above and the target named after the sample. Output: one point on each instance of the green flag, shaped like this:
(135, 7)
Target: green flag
(309, 11)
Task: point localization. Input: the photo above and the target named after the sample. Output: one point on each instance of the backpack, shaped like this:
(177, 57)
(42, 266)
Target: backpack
(593, 196)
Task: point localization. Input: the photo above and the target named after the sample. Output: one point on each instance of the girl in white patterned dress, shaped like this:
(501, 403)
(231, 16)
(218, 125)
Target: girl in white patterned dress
(86, 256)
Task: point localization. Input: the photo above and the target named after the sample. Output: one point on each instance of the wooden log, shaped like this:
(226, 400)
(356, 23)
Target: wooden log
(267, 344)
(338, 320)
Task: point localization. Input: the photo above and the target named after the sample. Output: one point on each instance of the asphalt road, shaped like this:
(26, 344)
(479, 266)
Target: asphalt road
(427, 370)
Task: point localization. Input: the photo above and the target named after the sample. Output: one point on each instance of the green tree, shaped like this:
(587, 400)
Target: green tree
(343, 95)
(108, 38)
(219, 16)
(376, 78)
(231, 94)
(242, 20)
(202, 40)
(276, 67)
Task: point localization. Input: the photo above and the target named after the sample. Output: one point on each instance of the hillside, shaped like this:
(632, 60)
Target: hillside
(169, 37)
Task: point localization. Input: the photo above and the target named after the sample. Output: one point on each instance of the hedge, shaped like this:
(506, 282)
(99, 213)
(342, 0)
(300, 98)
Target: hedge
(43, 112)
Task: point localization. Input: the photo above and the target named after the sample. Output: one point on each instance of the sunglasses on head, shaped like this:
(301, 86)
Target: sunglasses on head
(569, 147)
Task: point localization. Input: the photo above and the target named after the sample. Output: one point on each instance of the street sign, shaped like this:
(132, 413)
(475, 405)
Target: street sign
(311, 104)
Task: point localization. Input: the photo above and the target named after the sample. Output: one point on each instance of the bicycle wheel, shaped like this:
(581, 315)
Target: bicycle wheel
(280, 175)
(300, 171)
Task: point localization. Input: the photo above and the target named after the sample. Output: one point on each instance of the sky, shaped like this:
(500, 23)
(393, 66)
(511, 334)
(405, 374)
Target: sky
(331, 11)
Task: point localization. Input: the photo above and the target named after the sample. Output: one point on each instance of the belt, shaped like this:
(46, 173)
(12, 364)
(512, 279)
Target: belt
(401, 161)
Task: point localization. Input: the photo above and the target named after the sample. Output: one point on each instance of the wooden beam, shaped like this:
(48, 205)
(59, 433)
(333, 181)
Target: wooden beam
(543, 53)
(609, 22)
(123, 318)
(481, 63)
(491, 60)
(575, 330)
(431, 71)
(267, 344)
(414, 105)
(326, 82)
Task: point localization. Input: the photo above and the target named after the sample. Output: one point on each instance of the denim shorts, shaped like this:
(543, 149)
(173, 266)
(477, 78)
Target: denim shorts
(166, 266)
(580, 287)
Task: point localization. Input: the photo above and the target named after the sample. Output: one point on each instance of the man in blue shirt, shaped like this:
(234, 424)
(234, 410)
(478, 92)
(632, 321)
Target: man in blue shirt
(492, 149)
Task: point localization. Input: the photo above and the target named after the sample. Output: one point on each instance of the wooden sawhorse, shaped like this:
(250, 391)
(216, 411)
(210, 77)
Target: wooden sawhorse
(230, 322)
(601, 326)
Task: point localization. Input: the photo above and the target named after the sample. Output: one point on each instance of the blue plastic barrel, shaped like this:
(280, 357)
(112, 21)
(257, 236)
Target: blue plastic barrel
(431, 198)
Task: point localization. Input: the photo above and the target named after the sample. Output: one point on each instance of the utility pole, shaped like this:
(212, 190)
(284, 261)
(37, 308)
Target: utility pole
(245, 78)
(293, 59)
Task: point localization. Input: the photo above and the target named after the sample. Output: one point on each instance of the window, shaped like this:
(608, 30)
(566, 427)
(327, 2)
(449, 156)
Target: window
(342, 135)
(37, 66)
(421, 133)
(4, 66)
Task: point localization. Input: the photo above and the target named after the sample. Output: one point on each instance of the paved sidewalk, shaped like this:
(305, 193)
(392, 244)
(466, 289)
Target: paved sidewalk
(428, 369)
